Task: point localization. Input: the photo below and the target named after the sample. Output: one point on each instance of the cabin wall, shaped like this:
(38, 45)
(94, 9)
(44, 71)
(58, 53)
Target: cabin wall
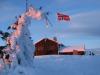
(75, 52)
(46, 48)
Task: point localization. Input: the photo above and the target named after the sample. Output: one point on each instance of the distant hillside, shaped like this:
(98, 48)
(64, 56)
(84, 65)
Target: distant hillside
(93, 49)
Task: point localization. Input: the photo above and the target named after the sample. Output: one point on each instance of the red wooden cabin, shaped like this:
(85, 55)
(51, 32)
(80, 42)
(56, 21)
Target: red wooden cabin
(46, 47)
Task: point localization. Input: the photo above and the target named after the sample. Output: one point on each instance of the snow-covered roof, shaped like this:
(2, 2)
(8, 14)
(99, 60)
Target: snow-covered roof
(71, 48)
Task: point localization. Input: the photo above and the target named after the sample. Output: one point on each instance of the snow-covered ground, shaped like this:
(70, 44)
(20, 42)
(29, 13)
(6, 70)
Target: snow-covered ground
(61, 65)
(67, 65)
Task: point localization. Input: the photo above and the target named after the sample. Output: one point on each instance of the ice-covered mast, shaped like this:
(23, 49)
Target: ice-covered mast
(20, 46)
(20, 41)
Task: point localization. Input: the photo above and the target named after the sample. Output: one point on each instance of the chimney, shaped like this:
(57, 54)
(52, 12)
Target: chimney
(55, 39)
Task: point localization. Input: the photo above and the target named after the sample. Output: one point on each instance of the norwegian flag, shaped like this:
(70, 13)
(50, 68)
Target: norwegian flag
(63, 17)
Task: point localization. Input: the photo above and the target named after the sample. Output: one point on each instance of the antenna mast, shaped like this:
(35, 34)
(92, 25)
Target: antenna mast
(26, 5)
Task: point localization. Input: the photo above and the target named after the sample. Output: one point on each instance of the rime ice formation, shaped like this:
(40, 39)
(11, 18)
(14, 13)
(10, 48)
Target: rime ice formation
(20, 46)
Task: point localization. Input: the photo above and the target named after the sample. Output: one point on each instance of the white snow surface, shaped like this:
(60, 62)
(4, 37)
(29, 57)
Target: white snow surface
(61, 65)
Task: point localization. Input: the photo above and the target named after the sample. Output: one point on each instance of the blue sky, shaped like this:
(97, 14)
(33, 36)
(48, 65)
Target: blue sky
(83, 27)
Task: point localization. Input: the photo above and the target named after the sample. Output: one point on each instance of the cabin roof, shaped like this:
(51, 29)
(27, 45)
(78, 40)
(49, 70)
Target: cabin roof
(46, 39)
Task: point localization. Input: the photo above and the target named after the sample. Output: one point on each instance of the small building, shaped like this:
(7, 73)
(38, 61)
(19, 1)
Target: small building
(73, 50)
(46, 47)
